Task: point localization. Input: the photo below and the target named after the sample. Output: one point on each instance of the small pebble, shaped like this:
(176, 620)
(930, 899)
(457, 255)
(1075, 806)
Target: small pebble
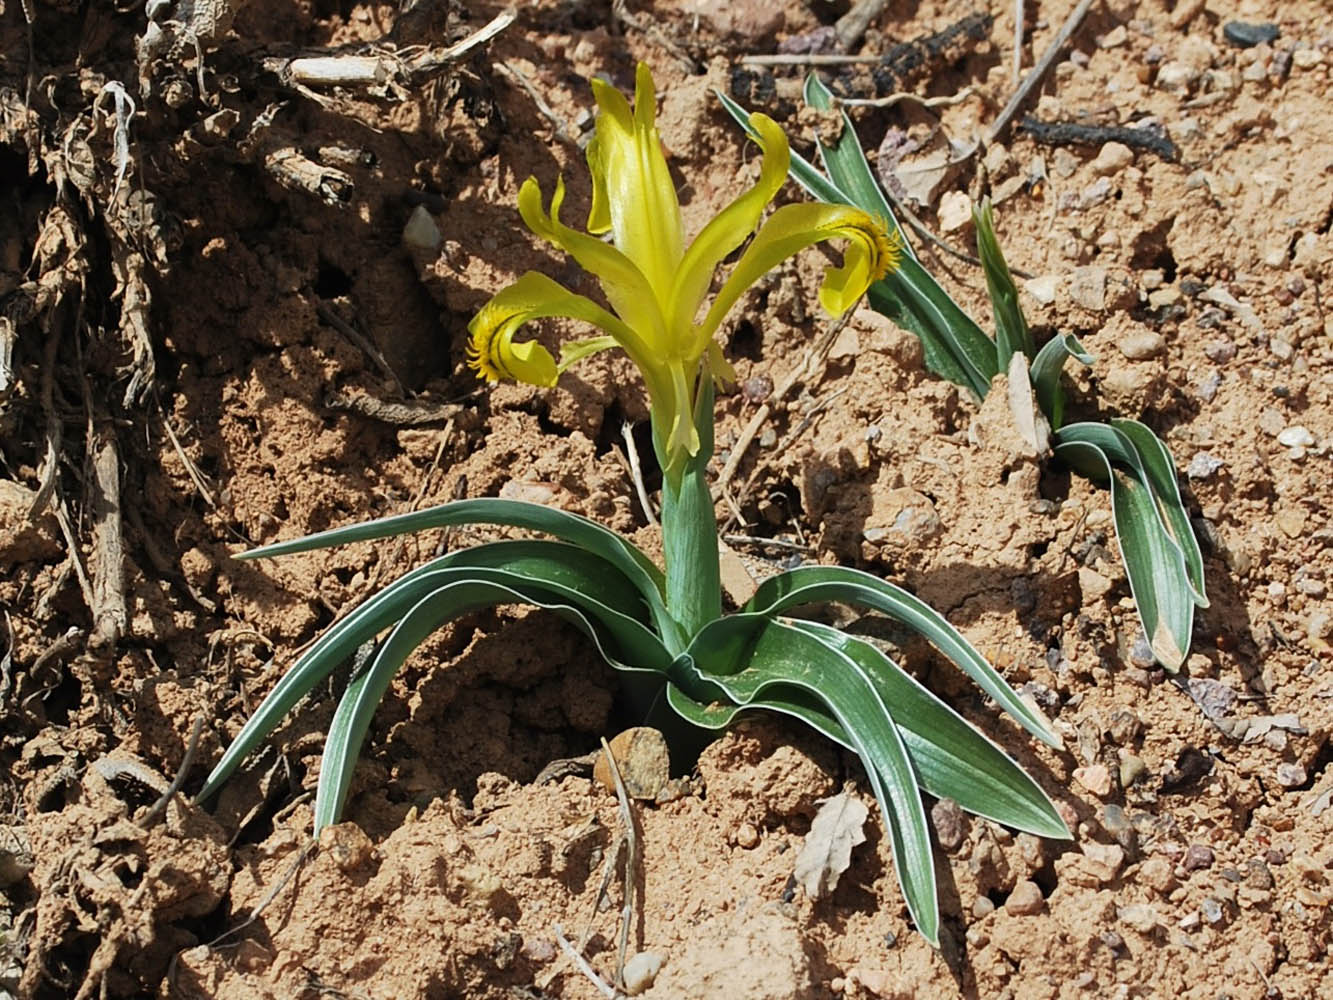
(1212, 910)
(1156, 872)
(1139, 916)
(1296, 436)
(1140, 654)
(422, 232)
(1246, 36)
(1220, 351)
(1132, 769)
(983, 907)
(1114, 38)
(641, 971)
(950, 823)
(1291, 775)
(1310, 587)
(1025, 900)
(1176, 76)
(1190, 921)
(747, 836)
(1203, 465)
(1095, 778)
(1197, 858)
(1112, 158)
(1207, 389)
(1042, 288)
(1307, 58)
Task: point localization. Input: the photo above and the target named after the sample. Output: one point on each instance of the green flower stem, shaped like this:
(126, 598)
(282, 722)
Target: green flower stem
(689, 526)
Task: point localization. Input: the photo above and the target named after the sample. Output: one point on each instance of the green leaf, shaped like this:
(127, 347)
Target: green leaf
(1011, 326)
(549, 563)
(636, 566)
(1153, 562)
(460, 595)
(818, 584)
(1161, 473)
(1046, 372)
(846, 165)
(955, 348)
(775, 654)
(953, 759)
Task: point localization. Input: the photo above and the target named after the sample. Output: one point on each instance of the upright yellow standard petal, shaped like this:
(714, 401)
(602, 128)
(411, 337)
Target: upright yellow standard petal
(871, 253)
(726, 231)
(632, 189)
(624, 284)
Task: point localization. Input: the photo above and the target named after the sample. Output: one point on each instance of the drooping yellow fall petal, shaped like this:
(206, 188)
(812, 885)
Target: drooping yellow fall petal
(495, 355)
(726, 231)
(632, 190)
(871, 253)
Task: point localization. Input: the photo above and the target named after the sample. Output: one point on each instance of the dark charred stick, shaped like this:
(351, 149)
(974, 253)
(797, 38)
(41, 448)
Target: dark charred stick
(1152, 139)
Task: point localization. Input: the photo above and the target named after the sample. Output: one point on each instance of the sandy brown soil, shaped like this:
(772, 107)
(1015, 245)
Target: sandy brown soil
(182, 345)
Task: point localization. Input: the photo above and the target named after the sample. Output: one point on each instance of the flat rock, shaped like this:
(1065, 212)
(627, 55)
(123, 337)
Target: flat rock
(1141, 344)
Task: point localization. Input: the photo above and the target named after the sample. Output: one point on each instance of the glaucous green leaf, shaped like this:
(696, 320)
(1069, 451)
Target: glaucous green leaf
(1153, 562)
(1047, 368)
(817, 584)
(552, 564)
(572, 528)
(779, 655)
(1011, 326)
(459, 595)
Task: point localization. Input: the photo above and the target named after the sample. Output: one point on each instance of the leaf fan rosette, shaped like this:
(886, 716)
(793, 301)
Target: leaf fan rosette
(663, 628)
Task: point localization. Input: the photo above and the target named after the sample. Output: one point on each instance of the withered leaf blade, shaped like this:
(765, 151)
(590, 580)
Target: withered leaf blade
(827, 851)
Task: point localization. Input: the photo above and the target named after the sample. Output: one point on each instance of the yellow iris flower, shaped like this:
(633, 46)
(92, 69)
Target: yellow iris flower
(653, 282)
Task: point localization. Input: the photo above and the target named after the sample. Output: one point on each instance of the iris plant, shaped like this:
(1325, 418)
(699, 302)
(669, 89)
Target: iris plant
(665, 630)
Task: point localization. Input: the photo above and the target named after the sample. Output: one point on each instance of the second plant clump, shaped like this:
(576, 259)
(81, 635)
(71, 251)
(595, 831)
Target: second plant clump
(665, 629)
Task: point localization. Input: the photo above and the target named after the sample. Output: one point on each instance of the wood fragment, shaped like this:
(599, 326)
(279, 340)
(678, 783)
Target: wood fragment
(561, 127)
(327, 313)
(582, 964)
(408, 413)
(628, 912)
(852, 25)
(1152, 140)
(109, 611)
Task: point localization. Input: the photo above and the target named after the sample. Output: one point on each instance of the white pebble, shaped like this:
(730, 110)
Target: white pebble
(1296, 436)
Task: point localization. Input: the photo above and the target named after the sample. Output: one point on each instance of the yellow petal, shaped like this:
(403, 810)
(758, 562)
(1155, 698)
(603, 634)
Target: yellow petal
(870, 254)
(728, 229)
(493, 352)
(632, 189)
(624, 284)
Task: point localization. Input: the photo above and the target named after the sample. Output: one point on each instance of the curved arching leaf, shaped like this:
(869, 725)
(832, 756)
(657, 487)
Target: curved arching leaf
(446, 602)
(560, 524)
(817, 584)
(1153, 561)
(1161, 475)
(1047, 368)
(549, 563)
(776, 655)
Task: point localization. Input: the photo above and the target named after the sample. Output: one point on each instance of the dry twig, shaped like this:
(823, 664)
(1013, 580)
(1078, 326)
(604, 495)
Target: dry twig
(636, 474)
(1039, 71)
(160, 806)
